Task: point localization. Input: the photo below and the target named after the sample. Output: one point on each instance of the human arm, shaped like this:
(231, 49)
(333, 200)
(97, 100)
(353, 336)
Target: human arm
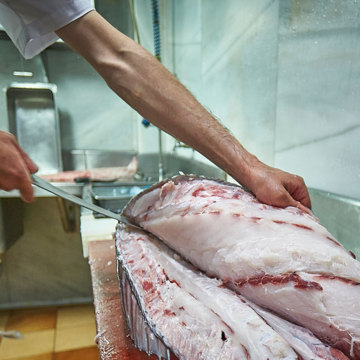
(15, 167)
(148, 87)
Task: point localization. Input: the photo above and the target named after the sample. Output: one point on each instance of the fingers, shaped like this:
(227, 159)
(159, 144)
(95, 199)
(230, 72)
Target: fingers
(297, 189)
(25, 183)
(275, 187)
(32, 167)
(304, 208)
(15, 167)
(21, 180)
(282, 190)
(26, 190)
(284, 199)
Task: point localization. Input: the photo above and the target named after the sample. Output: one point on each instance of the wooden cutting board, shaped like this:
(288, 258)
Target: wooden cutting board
(113, 339)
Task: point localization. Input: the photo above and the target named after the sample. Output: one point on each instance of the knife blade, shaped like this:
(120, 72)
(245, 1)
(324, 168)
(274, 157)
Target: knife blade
(43, 184)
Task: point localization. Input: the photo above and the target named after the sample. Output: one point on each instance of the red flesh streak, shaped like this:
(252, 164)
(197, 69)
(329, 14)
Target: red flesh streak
(228, 327)
(168, 279)
(207, 192)
(311, 229)
(337, 354)
(165, 274)
(147, 285)
(352, 254)
(246, 351)
(333, 277)
(175, 282)
(169, 313)
(299, 283)
(297, 225)
(333, 240)
(303, 227)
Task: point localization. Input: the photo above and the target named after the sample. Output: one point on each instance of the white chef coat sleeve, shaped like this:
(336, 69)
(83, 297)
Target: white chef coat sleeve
(31, 24)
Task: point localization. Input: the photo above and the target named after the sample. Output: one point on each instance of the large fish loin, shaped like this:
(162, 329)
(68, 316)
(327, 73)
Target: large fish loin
(198, 317)
(281, 259)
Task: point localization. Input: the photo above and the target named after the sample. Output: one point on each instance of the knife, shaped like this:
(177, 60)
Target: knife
(41, 183)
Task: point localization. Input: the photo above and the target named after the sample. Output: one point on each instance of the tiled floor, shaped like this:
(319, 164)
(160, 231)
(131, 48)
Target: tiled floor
(62, 333)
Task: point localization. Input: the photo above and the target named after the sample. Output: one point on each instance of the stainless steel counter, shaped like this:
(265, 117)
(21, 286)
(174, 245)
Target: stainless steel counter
(74, 189)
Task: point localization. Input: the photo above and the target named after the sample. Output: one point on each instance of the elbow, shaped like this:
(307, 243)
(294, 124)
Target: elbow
(119, 75)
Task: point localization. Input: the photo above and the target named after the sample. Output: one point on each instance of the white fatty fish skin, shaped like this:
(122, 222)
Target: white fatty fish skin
(226, 232)
(197, 317)
(325, 303)
(301, 340)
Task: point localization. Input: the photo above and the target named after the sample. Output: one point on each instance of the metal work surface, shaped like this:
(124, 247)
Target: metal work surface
(115, 197)
(59, 192)
(71, 188)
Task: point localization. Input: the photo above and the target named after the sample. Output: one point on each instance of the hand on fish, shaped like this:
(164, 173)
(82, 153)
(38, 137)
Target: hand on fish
(278, 188)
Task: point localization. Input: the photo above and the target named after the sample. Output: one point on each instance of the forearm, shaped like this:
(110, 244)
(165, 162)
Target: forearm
(140, 80)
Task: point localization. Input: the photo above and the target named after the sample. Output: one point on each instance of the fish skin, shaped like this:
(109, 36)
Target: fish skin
(322, 299)
(194, 313)
(247, 242)
(302, 340)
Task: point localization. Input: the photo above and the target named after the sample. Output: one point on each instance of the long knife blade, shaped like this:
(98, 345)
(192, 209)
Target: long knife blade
(65, 195)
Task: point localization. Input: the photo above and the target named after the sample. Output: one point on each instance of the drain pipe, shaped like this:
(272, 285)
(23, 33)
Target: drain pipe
(157, 53)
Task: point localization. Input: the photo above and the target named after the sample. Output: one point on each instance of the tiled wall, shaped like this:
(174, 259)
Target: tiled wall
(148, 137)
(91, 115)
(318, 106)
(283, 76)
(217, 51)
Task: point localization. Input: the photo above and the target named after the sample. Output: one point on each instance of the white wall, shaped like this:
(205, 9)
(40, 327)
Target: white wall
(91, 115)
(217, 49)
(215, 54)
(318, 104)
(148, 138)
(283, 76)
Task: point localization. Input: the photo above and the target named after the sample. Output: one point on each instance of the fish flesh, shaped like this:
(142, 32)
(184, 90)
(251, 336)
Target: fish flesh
(280, 259)
(96, 174)
(198, 317)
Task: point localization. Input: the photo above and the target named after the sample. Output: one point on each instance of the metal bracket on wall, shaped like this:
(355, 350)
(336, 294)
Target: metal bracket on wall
(69, 215)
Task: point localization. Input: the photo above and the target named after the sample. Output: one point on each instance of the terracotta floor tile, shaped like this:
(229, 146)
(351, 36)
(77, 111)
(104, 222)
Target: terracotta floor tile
(4, 315)
(75, 338)
(34, 343)
(89, 353)
(72, 316)
(30, 320)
